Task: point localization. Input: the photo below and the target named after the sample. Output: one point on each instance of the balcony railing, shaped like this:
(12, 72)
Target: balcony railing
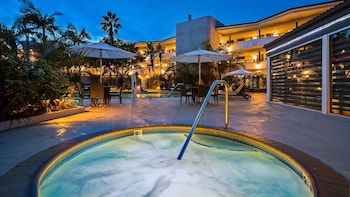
(251, 43)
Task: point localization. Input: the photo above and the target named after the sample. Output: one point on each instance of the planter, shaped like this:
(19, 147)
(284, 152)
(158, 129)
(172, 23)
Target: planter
(10, 124)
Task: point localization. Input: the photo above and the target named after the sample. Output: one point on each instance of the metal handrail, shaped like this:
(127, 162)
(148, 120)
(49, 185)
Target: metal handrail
(171, 91)
(194, 125)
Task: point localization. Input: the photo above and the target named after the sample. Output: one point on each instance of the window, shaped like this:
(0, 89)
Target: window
(297, 76)
(340, 69)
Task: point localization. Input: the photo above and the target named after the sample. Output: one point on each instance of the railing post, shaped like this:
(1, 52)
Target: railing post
(226, 105)
(178, 84)
(194, 125)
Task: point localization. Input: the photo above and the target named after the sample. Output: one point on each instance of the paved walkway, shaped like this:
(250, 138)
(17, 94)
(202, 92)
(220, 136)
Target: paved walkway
(325, 137)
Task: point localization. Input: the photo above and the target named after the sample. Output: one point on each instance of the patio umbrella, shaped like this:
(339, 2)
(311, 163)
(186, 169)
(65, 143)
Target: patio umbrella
(239, 72)
(101, 51)
(199, 56)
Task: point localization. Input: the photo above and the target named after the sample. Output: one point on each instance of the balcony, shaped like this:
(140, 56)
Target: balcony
(251, 43)
(256, 66)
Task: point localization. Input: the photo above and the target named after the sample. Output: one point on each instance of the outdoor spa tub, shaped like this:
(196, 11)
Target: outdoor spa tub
(143, 162)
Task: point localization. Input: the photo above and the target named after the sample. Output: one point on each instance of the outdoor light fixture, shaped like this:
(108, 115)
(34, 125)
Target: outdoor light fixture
(258, 66)
(288, 56)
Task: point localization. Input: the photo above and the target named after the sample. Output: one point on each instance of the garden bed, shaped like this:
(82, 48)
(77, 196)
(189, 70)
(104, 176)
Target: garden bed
(10, 124)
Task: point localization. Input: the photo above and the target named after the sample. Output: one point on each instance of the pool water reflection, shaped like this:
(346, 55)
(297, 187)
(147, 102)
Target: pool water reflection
(146, 165)
(150, 95)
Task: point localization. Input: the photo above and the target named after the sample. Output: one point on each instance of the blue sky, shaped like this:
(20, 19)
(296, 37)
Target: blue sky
(150, 20)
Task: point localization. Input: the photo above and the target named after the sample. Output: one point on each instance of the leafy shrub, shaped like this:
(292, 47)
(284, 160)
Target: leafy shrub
(25, 85)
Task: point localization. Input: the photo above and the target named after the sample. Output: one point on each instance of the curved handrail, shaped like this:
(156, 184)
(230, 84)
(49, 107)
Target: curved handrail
(195, 123)
(178, 84)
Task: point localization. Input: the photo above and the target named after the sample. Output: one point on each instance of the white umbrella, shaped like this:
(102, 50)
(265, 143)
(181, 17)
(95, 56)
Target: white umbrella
(239, 72)
(199, 56)
(101, 51)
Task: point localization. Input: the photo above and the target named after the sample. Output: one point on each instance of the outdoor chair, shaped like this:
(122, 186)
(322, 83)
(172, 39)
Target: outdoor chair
(106, 95)
(185, 93)
(202, 92)
(80, 92)
(96, 94)
(239, 91)
(116, 92)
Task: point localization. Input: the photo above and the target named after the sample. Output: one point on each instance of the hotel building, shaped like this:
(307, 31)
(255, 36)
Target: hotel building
(245, 42)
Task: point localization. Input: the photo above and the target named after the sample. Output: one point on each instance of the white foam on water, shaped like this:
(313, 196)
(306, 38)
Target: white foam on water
(147, 166)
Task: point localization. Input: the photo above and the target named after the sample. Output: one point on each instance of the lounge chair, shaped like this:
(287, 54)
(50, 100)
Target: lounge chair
(239, 91)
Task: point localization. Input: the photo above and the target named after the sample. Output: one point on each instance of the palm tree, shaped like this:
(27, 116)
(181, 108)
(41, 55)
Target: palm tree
(73, 38)
(22, 27)
(169, 75)
(151, 51)
(210, 72)
(42, 24)
(131, 46)
(160, 51)
(207, 46)
(111, 25)
(186, 74)
(121, 67)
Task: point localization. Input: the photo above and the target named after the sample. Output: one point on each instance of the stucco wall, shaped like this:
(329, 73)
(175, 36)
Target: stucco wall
(191, 34)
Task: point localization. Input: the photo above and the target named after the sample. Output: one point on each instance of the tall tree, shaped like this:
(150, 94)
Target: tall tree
(110, 24)
(73, 37)
(160, 50)
(151, 51)
(44, 24)
(121, 67)
(23, 27)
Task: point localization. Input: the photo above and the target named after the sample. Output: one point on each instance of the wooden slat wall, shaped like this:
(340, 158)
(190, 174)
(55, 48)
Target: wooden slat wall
(297, 76)
(340, 61)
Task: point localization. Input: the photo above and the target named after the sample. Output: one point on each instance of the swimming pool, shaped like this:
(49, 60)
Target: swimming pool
(142, 162)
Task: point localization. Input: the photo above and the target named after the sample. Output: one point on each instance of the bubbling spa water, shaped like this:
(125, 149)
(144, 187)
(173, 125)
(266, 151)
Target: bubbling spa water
(124, 164)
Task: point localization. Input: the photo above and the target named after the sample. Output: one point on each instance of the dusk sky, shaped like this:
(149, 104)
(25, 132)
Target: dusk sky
(151, 20)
